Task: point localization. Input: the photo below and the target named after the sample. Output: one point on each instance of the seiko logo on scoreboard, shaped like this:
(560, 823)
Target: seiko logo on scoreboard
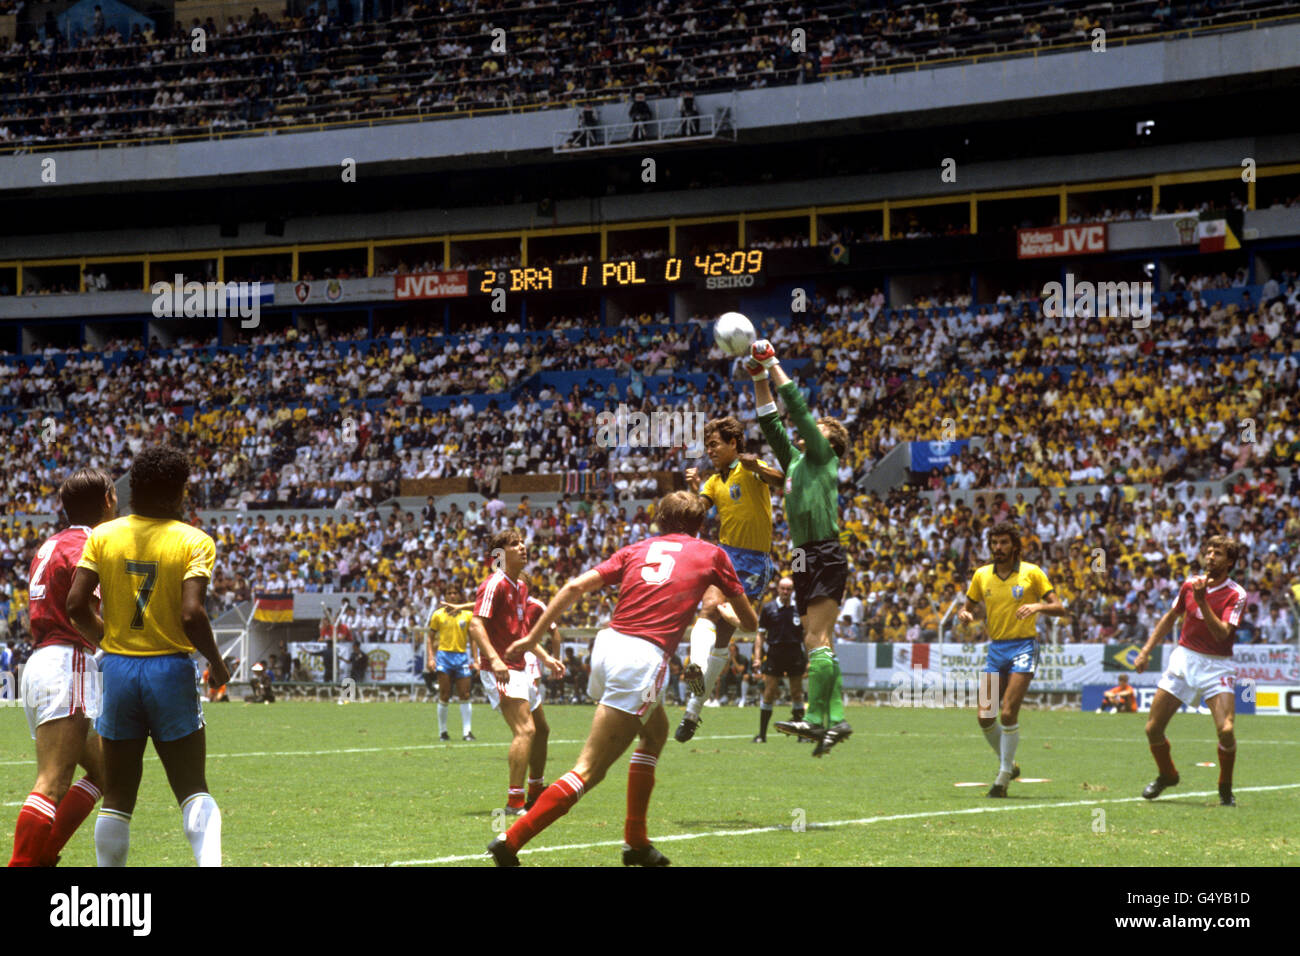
(729, 282)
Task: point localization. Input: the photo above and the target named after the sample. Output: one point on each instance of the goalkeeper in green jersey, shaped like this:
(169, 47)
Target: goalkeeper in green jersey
(819, 566)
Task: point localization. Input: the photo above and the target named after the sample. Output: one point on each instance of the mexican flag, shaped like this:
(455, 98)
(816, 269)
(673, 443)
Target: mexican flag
(902, 656)
(1215, 235)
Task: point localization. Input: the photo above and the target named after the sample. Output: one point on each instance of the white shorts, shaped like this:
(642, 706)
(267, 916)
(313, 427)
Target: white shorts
(522, 685)
(627, 673)
(60, 680)
(1191, 673)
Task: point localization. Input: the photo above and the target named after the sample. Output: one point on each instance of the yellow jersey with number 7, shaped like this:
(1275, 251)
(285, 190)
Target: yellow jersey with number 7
(141, 563)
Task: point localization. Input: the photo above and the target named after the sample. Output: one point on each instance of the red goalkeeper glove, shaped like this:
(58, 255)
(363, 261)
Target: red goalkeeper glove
(756, 371)
(763, 353)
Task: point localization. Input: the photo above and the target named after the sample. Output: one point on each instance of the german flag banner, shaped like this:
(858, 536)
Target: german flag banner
(273, 606)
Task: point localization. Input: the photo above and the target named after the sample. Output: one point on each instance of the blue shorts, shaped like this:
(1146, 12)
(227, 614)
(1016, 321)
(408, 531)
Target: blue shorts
(1018, 656)
(455, 663)
(149, 697)
(754, 568)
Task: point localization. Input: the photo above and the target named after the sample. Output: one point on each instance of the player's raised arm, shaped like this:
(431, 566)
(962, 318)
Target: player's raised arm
(765, 472)
(80, 607)
(769, 419)
(1221, 630)
(817, 449)
(564, 598)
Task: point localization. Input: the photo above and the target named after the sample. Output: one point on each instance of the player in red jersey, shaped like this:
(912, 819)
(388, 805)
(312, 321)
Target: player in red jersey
(500, 612)
(61, 687)
(661, 581)
(1210, 605)
(533, 611)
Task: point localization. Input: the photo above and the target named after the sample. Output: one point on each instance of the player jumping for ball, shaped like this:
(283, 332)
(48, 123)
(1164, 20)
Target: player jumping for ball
(1013, 593)
(1210, 605)
(819, 566)
(661, 581)
(61, 688)
(739, 489)
(511, 684)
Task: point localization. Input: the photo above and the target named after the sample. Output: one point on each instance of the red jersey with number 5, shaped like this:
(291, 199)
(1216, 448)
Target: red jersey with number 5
(502, 604)
(1226, 600)
(49, 581)
(661, 581)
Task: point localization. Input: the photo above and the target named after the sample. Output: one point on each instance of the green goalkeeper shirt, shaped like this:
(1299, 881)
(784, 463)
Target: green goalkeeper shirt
(811, 476)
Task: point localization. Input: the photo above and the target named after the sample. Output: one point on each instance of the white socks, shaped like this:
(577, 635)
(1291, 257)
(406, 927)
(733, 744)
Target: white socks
(703, 634)
(202, 822)
(112, 837)
(466, 709)
(442, 717)
(1010, 737)
(714, 665)
(200, 818)
(993, 735)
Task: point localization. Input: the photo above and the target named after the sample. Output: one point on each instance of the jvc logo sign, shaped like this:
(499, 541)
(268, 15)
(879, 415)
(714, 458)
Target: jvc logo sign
(74, 909)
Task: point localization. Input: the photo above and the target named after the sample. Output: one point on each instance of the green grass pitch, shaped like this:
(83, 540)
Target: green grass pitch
(306, 783)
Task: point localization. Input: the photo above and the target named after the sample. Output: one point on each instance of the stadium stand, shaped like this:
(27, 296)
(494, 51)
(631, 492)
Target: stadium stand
(91, 81)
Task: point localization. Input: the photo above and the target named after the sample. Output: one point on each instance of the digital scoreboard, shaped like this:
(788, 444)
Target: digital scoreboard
(729, 269)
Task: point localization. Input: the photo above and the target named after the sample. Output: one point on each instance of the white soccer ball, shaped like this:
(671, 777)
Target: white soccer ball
(734, 333)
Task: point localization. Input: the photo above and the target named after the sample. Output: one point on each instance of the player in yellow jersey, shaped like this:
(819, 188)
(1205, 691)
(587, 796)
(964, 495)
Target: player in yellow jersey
(1013, 593)
(153, 571)
(740, 489)
(447, 653)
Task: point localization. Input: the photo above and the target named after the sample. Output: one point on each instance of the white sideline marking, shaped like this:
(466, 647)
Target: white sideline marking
(678, 837)
(458, 745)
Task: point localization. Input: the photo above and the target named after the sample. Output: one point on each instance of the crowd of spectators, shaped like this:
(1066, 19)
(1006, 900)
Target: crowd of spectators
(1206, 392)
(255, 72)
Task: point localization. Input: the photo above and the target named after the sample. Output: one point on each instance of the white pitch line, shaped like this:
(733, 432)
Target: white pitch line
(374, 750)
(864, 821)
(1050, 737)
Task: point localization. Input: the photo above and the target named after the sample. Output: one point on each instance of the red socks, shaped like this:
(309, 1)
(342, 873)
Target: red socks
(515, 797)
(1226, 760)
(555, 801)
(35, 821)
(535, 787)
(640, 784)
(73, 810)
(1163, 761)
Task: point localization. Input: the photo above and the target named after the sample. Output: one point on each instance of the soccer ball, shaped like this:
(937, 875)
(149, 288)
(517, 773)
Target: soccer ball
(734, 333)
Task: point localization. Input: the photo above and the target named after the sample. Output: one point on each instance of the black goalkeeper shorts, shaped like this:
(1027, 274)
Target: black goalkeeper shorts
(825, 572)
(785, 660)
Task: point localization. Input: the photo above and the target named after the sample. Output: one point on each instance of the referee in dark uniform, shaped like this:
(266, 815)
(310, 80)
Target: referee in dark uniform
(780, 635)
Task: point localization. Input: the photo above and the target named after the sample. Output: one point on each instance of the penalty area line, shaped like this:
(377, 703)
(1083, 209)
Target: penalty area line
(830, 825)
